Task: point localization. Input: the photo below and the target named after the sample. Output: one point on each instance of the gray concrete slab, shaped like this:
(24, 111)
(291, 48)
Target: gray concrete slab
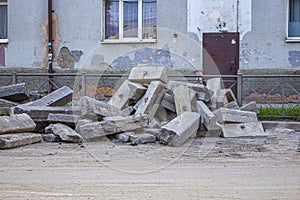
(9, 141)
(59, 97)
(147, 74)
(225, 115)
(253, 129)
(16, 92)
(16, 124)
(180, 129)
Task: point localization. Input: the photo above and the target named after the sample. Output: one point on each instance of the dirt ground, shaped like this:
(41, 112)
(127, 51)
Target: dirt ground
(204, 168)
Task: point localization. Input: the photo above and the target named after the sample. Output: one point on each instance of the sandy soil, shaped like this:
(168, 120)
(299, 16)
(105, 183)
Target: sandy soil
(204, 168)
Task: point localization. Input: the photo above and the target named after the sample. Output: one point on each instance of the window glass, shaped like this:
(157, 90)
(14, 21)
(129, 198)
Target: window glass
(111, 19)
(294, 18)
(149, 19)
(3, 22)
(130, 21)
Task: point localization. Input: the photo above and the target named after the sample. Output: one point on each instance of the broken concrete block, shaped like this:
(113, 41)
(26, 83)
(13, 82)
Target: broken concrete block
(203, 93)
(67, 119)
(4, 111)
(221, 98)
(168, 102)
(51, 138)
(180, 129)
(209, 119)
(232, 105)
(251, 129)
(16, 124)
(142, 138)
(214, 84)
(112, 125)
(90, 108)
(121, 97)
(40, 113)
(65, 133)
(225, 115)
(252, 106)
(136, 90)
(6, 103)
(147, 74)
(59, 97)
(17, 92)
(153, 131)
(124, 137)
(127, 111)
(16, 140)
(151, 100)
(160, 117)
(182, 99)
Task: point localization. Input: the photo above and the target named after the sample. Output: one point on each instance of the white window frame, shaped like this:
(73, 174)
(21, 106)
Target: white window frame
(287, 38)
(4, 41)
(121, 38)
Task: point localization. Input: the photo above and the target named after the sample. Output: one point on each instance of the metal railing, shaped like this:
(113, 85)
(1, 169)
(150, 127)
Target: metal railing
(278, 92)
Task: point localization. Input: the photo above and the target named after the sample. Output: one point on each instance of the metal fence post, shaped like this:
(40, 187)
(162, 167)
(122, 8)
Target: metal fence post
(14, 78)
(83, 84)
(239, 88)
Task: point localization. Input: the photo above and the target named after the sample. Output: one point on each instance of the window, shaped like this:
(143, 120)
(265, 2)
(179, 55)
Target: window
(3, 21)
(130, 20)
(293, 32)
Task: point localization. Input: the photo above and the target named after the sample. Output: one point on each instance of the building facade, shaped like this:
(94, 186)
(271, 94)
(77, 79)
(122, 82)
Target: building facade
(125, 33)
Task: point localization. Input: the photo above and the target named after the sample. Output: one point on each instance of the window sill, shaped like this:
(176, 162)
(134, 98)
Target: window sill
(3, 41)
(130, 41)
(292, 40)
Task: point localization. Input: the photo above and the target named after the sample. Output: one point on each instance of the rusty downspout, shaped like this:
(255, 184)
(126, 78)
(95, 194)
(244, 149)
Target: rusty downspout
(50, 52)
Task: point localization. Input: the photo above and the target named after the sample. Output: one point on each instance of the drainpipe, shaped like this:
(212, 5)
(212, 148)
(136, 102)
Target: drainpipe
(50, 52)
(237, 15)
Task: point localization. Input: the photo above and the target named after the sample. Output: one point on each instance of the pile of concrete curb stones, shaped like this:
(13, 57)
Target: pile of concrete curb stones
(146, 108)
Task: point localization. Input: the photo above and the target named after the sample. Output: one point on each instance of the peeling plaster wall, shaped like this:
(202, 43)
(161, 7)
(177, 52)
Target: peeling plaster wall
(265, 46)
(262, 27)
(79, 24)
(26, 33)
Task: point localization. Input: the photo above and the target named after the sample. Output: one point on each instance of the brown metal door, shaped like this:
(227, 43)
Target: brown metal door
(221, 56)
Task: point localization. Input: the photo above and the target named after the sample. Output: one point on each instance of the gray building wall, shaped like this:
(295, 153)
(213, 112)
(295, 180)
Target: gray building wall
(265, 46)
(77, 25)
(77, 33)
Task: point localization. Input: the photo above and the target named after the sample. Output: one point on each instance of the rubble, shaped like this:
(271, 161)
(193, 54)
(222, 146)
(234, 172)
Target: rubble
(142, 138)
(252, 129)
(59, 97)
(145, 108)
(64, 132)
(180, 129)
(16, 140)
(225, 115)
(16, 124)
(16, 92)
(112, 125)
(92, 108)
(252, 106)
(67, 119)
(148, 74)
(150, 102)
(7, 103)
(209, 119)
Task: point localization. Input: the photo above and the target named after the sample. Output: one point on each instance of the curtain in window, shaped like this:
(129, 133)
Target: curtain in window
(3, 22)
(294, 18)
(149, 19)
(111, 19)
(130, 26)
